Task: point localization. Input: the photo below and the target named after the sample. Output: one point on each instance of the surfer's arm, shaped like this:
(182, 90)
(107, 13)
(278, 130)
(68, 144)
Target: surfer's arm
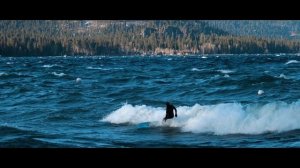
(175, 111)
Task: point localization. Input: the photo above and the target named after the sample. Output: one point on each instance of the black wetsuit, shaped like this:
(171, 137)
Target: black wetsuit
(169, 112)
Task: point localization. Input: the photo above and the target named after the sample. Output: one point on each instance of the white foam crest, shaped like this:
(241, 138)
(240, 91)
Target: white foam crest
(260, 92)
(195, 69)
(115, 68)
(283, 76)
(99, 68)
(135, 114)
(3, 73)
(292, 62)
(78, 80)
(220, 119)
(104, 69)
(50, 66)
(225, 71)
(58, 74)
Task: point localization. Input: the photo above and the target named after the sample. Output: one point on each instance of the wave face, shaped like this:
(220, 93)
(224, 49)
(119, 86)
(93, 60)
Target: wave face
(119, 101)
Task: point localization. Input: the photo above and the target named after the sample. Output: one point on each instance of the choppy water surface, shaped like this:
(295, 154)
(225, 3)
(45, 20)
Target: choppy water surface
(222, 101)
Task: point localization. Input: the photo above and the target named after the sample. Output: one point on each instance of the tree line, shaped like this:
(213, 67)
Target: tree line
(46, 38)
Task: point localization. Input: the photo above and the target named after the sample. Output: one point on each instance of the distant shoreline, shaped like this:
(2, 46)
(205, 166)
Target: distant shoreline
(158, 55)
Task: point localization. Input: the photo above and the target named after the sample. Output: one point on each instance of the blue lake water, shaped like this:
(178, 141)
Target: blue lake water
(100, 101)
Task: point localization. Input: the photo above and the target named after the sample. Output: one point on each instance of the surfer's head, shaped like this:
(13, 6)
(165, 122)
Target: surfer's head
(167, 103)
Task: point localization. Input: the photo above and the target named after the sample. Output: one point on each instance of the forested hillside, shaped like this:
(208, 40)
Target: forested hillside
(180, 37)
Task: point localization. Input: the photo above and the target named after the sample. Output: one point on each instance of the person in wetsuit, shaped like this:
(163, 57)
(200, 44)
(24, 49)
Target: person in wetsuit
(169, 111)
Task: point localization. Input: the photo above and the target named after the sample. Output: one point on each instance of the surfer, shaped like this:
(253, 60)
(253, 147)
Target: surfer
(169, 111)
